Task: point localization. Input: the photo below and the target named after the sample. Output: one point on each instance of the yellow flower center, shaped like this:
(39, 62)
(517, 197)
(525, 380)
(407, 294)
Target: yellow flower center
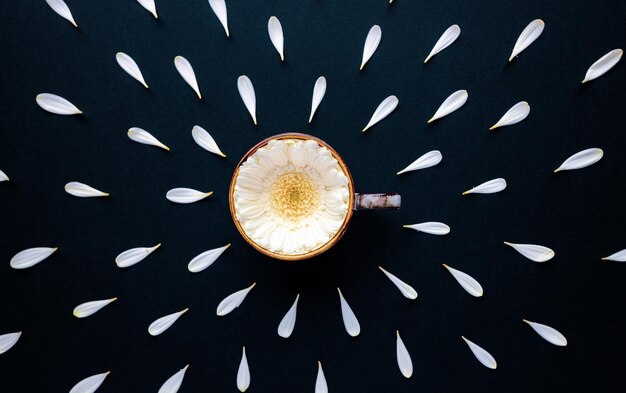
(294, 196)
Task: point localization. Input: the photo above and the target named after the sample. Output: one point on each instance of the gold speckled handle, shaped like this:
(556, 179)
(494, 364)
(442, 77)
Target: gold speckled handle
(388, 200)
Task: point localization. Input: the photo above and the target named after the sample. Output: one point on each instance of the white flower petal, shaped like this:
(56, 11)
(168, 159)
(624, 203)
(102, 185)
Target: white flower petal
(483, 356)
(431, 227)
(243, 374)
(56, 104)
(186, 71)
(371, 44)
(186, 195)
(533, 252)
(320, 382)
(405, 364)
(83, 190)
(318, 94)
(3, 176)
(162, 324)
(388, 105)
(219, 8)
(427, 160)
(205, 140)
(86, 309)
(233, 301)
(548, 333)
(142, 136)
(31, 256)
(173, 383)
(7, 341)
(447, 38)
(349, 319)
(62, 9)
(134, 255)
(128, 64)
(581, 160)
(90, 384)
(206, 259)
(150, 6)
(246, 91)
(488, 187)
(285, 328)
(603, 65)
(275, 31)
(517, 113)
(528, 36)
(466, 281)
(452, 103)
(406, 290)
(619, 256)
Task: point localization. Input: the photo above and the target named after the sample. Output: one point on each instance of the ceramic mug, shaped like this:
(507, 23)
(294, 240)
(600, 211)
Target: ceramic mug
(292, 197)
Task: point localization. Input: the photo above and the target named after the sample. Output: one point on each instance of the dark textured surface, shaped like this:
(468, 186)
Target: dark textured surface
(579, 214)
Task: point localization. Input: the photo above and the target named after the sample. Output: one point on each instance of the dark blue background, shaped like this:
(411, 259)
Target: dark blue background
(579, 214)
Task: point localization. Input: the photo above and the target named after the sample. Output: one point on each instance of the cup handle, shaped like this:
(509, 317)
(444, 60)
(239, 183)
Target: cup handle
(388, 200)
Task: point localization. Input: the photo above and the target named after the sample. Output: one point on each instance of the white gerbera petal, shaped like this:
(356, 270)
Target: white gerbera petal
(619, 256)
(533, 252)
(483, 356)
(548, 333)
(451, 104)
(7, 341)
(56, 104)
(82, 190)
(320, 382)
(427, 160)
(349, 319)
(90, 384)
(219, 8)
(205, 140)
(243, 374)
(186, 71)
(517, 113)
(174, 382)
(134, 255)
(285, 328)
(246, 91)
(318, 94)
(405, 364)
(528, 36)
(89, 308)
(603, 65)
(488, 187)
(206, 259)
(275, 30)
(63, 10)
(144, 137)
(3, 176)
(431, 227)
(371, 44)
(186, 195)
(233, 301)
(466, 281)
(582, 159)
(130, 67)
(162, 324)
(406, 290)
(447, 38)
(385, 108)
(31, 256)
(149, 6)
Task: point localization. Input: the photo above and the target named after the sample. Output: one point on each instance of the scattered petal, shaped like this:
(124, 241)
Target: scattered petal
(488, 187)
(431, 227)
(62, 9)
(517, 113)
(206, 259)
(533, 252)
(581, 160)
(233, 301)
(128, 64)
(275, 30)
(219, 8)
(86, 309)
(134, 255)
(603, 65)
(3, 176)
(404, 288)
(388, 105)
(56, 104)
(285, 328)
(186, 195)
(466, 281)
(528, 36)
(243, 374)
(349, 319)
(31, 256)
(83, 190)
(619, 256)
(404, 358)
(186, 71)
(320, 382)
(173, 383)
(162, 324)
(371, 44)
(548, 333)
(7, 341)
(246, 91)
(150, 6)
(142, 136)
(447, 38)
(318, 94)
(452, 103)
(90, 384)
(205, 140)
(427, 160)
(483, 356)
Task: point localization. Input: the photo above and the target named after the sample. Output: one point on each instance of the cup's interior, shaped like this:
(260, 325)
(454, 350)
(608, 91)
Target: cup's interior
(291, 196)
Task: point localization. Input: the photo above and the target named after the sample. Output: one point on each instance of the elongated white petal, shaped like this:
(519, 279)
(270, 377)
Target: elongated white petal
(56, 104)
(431, 227)
(186, 71)
(371, 44)
(142, 136)
(205, 140)
(320, 382)
(86, 309)
(90, 384)
(603, 65)
(528, 36)
(466, 281)
(3, 176)
(483, 356)
(233, 301)
(186, 195)
(404, 358)
(134, 255)
(243, 374)
(318, 94)
(447, 38)
(581, 160)
(517, 113)
(7, 341)
(150, 6)
(206, 259)
(285, 328)
(275, 30)
(246, 91)
(533, 252)
(82, 190)
(162, 324)
(452, 103)
(219, 8)
(173, 383)
(619, 256)
(31, 256)
(406, 290)
(128, 64)
(427, 160)
(488, 187)
(388, 105)
(548, 333)
(62, 9)
(349, 319)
